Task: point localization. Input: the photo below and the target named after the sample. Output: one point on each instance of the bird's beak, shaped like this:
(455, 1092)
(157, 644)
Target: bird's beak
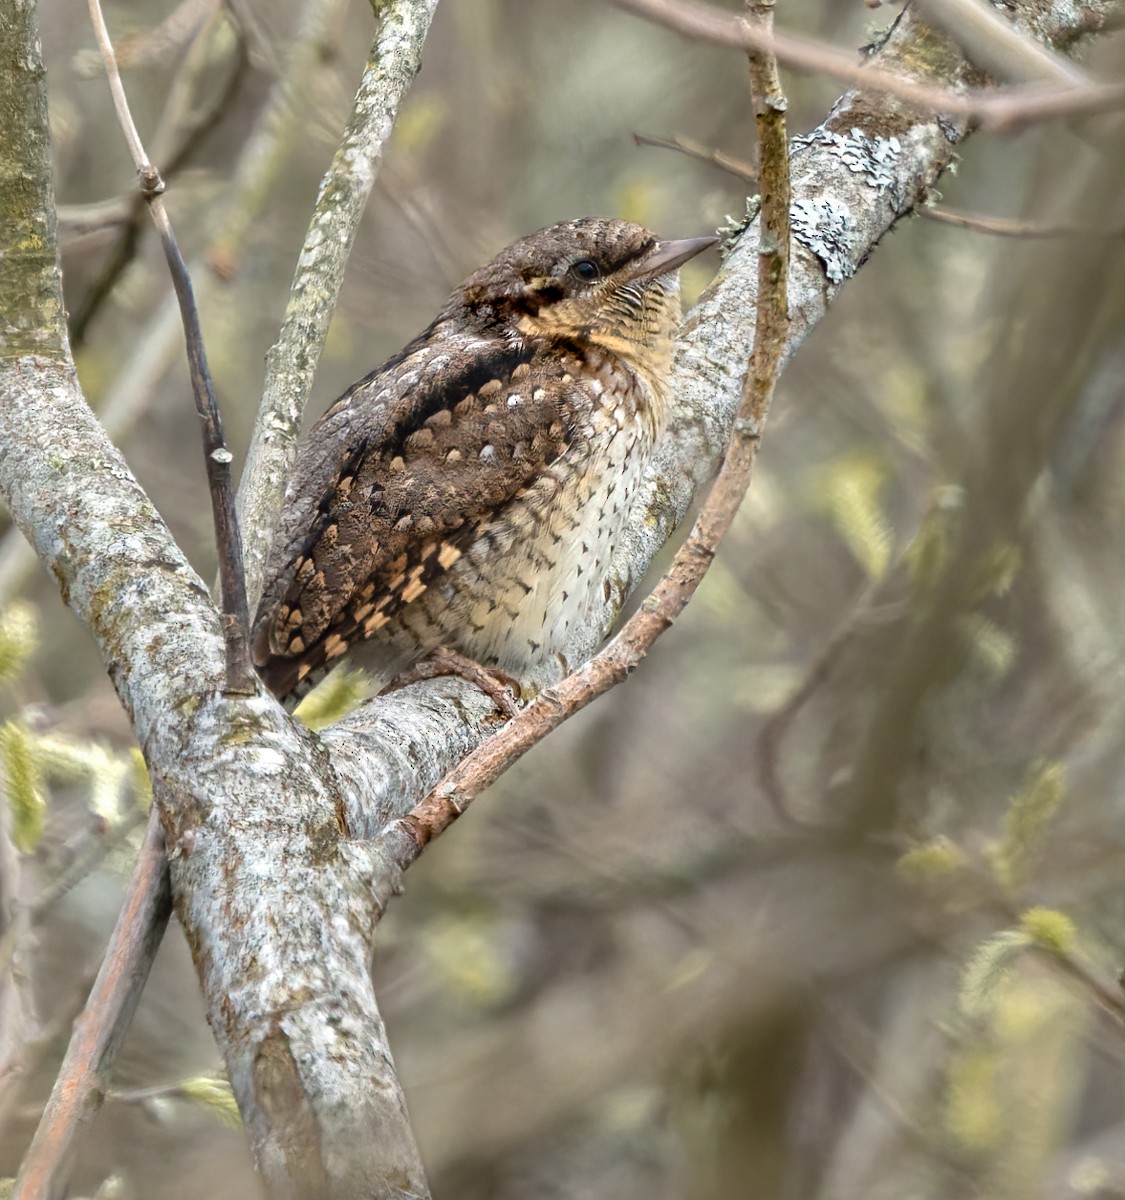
(665, 257)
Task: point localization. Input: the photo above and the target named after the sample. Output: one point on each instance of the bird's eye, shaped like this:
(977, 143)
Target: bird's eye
(585, 270)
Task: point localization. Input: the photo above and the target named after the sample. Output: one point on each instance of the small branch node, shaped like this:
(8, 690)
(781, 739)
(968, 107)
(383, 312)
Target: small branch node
(151, 182)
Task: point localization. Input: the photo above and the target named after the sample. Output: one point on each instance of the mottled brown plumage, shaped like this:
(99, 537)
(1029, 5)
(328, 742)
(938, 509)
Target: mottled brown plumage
(469, 492)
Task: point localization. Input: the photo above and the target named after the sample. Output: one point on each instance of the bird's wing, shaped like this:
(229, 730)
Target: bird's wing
(391, 486)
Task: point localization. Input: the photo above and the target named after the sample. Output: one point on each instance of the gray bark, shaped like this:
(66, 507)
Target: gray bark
(31, 312)
(261, 818)
(269, 827)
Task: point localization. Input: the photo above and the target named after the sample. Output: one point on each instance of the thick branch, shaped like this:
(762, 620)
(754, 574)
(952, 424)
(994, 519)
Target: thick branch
(31, 315)
(254, 810)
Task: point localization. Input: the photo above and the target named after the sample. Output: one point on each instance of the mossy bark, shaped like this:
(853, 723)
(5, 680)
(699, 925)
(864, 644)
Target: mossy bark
(32, 318)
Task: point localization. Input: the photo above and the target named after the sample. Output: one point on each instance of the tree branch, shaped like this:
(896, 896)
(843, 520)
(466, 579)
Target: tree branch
(236, 618)
(101, 1028)
(257, 813)
(991, 41)
(873, 160)
(30, 317)
(893, 154)
(976, 222)
(290, 365)
(988, 107)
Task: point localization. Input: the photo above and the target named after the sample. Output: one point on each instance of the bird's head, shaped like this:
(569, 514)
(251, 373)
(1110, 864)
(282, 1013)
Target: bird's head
(594, 280)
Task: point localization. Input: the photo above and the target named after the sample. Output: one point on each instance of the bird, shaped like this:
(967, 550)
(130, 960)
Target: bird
(468, 494)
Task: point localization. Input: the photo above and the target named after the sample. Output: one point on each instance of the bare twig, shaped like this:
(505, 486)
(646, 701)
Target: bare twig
(240, 676)
(83, 220)
(94, 853)
(773, 732)
(177, 135)
(17, 1018)
(857, 1047)
(1086, 979)
(1071, 963)
(404, 839)
(977, 222)
(102, 1026)
(150, 47)
(715, 158)
(35, 1052)
(1009, 228)
(993, 43)
(998, 110)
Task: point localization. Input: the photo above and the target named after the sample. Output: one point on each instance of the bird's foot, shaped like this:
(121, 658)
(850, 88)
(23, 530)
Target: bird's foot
(500, 687)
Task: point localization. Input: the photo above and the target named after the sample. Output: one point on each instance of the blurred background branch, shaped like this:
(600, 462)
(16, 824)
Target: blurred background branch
(1070, 96)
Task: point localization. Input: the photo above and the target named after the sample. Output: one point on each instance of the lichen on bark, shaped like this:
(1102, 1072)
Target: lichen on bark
(31, 318)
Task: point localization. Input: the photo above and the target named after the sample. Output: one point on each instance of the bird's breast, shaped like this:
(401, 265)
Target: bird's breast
(542, 566)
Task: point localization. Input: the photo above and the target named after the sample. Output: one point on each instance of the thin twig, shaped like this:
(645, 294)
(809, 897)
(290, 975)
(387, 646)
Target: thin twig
(994, 44)
(858, 1049)
(715, 158)
(977, 222)
(82, 220)
(151, 47)
(1009, 228)
(84, 1075)
(404, 839)
(1071, 963)
(773, 732)
(240, 676)
(35, 1052)
(177, 135)
(991, 108)
(85, 863)
(1098, 990)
